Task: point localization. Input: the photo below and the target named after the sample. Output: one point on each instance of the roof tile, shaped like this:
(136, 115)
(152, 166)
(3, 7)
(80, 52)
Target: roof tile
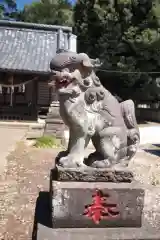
(24, 49)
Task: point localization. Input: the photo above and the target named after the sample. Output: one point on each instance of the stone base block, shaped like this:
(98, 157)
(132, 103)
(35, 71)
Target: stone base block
(139, 211)
(108, 210)
(96, 205)
(89, 174)
(54, 128)
(45, 233)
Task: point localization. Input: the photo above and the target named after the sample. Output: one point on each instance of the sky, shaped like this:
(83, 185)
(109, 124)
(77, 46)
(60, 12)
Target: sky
(21, 3)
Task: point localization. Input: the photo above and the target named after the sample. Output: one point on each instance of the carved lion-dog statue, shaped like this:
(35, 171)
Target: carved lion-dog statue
(91, 112)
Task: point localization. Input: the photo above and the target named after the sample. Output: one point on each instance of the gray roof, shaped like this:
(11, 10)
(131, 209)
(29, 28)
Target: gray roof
(28, 47)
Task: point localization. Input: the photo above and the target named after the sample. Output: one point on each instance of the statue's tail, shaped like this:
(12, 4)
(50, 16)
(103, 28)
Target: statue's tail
(128, 111)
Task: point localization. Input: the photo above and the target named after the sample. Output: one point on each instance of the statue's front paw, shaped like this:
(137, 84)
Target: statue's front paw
(64, 162)
(101, 164)
(60, 155)
(70, 162)
(96, 160)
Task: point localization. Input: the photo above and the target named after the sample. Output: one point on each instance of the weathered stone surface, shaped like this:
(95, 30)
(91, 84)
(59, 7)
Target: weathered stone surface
(53, 112)
(34, 134)
(91, 175)
(54, 125)
(54, 129)
(117, 205)
(150, 229)
(95, 234)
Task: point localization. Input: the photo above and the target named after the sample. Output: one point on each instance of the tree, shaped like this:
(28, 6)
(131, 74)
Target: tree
(8, 9)
(56, 12)
(125, 34)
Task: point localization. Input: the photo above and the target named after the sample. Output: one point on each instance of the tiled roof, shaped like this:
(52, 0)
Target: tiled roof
(28, 47)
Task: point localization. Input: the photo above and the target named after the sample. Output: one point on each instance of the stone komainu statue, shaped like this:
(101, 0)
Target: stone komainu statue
(92, 113)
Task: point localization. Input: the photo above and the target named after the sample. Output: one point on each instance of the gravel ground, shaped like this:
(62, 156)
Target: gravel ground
(27, 174)
(146, 165)
(9, 137)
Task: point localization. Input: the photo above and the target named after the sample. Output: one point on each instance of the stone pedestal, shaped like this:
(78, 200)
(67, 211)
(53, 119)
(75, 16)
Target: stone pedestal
(107, 204)
(96, 205)
(54, 125)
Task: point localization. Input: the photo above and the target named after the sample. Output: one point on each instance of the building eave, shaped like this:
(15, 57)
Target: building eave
(35, 26)
(19, 71)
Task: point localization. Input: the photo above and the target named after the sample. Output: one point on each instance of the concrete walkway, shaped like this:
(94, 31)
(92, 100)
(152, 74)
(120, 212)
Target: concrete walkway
(150, 134)
(8, 138)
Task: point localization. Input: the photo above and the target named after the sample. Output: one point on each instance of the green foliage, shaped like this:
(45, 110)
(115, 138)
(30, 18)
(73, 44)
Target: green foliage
(56, 12)
(47, 142)
(125, 35)
(8, 9)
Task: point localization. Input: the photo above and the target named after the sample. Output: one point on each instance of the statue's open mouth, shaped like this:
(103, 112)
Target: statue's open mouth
(61, 79)
(62, 82)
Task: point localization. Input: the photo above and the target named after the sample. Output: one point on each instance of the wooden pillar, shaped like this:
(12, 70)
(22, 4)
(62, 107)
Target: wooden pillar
(11, 81)
(34, 98)
(4, 94)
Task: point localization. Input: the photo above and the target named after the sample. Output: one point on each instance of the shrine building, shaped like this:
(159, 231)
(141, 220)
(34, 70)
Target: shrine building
(26, 50)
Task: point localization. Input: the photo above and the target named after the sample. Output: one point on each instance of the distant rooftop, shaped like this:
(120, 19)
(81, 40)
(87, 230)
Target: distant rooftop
(29, 47)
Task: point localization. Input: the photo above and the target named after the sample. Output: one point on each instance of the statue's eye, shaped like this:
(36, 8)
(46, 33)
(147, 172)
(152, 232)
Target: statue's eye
(72, 58)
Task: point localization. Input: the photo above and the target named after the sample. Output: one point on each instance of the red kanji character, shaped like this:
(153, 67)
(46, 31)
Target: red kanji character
(100, 209)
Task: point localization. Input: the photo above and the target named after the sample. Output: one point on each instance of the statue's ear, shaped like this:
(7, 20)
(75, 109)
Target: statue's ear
(87, 63)
(85, 60)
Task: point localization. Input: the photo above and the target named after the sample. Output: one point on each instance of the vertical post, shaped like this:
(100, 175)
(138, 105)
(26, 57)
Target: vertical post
(54, 95)
(73, 43)
(11, 90)
(60, 40)
(69, 40)
(11, 96)
(34, 98)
